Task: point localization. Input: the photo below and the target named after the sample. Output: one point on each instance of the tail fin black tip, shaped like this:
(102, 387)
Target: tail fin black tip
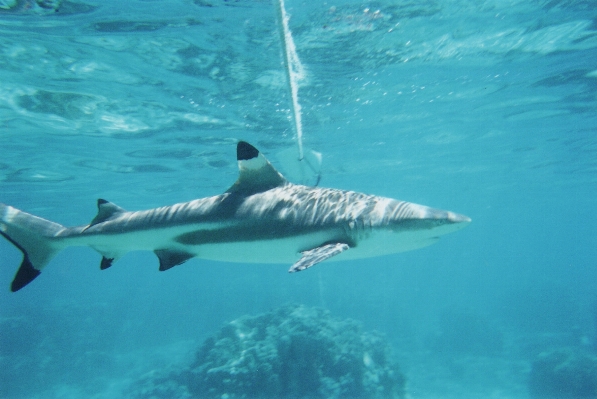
(26, 274)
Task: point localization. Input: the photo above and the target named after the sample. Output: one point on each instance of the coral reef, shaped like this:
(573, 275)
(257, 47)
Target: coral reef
(292, 352)
(564, 374)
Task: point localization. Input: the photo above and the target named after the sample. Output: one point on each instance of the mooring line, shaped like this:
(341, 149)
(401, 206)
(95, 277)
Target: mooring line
(294, 72)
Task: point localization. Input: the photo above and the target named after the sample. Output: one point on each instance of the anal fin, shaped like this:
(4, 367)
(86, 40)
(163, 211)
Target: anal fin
(106, 262)
(108, 257)
(316, 255)
(170, 258)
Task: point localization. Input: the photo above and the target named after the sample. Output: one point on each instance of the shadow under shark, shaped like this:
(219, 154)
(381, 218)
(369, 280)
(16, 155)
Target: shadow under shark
(262, 218)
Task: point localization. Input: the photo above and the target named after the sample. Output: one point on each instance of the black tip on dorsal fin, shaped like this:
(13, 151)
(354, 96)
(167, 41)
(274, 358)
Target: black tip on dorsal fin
(245, 151)
(105, 211)
(256, 174)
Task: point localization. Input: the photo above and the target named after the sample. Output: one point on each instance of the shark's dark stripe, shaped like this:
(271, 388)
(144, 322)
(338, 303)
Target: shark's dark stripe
(254, 233)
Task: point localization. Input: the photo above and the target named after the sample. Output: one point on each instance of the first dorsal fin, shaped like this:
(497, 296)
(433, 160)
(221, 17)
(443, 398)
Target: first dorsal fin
(105, 211)
(256, 174)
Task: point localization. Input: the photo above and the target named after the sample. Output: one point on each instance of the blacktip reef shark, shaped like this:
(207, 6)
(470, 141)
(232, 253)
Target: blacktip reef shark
(262, 218)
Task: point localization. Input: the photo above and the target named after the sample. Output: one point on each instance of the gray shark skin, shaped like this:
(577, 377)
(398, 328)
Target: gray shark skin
(262, 218)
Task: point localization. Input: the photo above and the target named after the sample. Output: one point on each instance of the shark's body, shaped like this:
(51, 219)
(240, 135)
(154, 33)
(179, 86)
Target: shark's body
(262, 218)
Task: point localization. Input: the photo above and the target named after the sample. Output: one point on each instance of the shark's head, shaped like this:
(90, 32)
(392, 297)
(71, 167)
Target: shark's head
(409, 226)
(397, 225)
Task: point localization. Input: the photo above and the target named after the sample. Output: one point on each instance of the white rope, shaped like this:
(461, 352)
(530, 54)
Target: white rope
(294, 72)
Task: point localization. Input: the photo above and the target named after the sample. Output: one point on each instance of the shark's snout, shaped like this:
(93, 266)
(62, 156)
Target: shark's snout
(445, 216)
(457, 218)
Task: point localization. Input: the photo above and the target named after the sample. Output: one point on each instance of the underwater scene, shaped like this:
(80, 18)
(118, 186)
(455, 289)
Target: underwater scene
(254, 116)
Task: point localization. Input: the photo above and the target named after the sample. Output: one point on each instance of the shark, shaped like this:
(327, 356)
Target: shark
(261, 218)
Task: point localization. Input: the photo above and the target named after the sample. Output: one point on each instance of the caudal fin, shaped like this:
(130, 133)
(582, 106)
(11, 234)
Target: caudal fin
(34, 237)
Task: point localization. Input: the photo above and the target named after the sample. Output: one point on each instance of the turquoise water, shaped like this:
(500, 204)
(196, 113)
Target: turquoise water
(484, 108)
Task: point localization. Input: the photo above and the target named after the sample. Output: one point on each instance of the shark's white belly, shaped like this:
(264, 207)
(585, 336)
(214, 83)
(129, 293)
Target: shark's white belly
(288, 250)
(280, 250)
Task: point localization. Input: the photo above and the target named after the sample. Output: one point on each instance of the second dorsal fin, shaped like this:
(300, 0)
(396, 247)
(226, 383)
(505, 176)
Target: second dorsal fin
(255, 173)
(105, 210)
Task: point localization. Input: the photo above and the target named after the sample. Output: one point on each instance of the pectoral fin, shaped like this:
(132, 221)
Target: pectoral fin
(316, 255)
